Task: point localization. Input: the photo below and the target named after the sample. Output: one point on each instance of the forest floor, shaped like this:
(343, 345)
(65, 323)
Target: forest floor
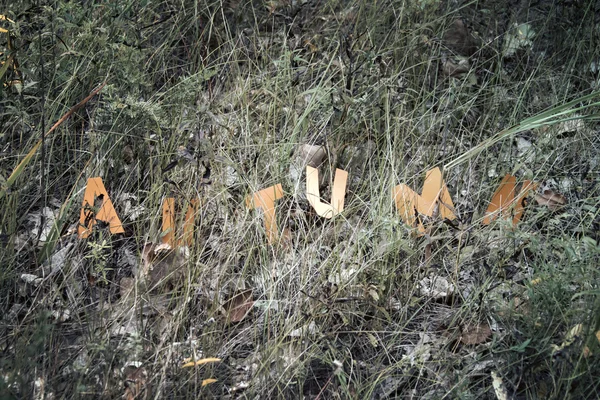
(209, 102)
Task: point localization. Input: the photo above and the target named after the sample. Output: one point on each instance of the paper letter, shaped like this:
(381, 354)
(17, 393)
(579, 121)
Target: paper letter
(503, 200)
(103, 211)
(434, 192)
(338, 192)
(168, 223)
(265, 200)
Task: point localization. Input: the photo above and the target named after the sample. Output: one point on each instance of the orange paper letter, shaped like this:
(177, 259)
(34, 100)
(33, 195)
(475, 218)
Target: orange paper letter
(408, 202)
(503, 200)
(265, 200)
(168, 223)
(338, 192)
(103, 211)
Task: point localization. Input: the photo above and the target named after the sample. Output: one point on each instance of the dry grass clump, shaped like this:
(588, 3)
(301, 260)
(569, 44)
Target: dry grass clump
(215, 101)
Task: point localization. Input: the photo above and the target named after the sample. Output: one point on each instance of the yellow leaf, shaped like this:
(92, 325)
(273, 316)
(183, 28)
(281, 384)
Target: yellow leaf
(499, 387)
(189, 363)
(2, 30)
(574, 332)
(208, 381)
(536, 281)
(5, 18)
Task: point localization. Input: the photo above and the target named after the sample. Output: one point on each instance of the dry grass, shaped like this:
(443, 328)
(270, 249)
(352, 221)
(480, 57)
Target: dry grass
(346, 308)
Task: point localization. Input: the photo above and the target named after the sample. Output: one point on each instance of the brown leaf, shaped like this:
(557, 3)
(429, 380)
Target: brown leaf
(551, 199)
(286, 239)
(126, 286)
(127, 154)
(148, 256)
(454, 69)
(428, 253)
(135, 383)
(160, 265)
(475, 334)
(239, 305)
(458, 39)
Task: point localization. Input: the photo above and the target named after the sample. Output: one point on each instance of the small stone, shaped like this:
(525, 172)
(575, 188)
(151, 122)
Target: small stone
(306, 155)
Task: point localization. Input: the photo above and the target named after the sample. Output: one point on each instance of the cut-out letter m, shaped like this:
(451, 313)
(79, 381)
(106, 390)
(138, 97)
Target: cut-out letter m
(434, 193)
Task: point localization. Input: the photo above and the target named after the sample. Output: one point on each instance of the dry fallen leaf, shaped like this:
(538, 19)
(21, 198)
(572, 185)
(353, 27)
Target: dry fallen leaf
(307, 330)
(572, 335)
(208, 381)
(161, 265)
(148, 256)
(499, 387)
(428, 252)
(455, 69)
(237, 307)
(135, 382)
(476, 334)
(551, 199)
(126, 287)
(436, 286)
(458, 39)
(127, 154)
